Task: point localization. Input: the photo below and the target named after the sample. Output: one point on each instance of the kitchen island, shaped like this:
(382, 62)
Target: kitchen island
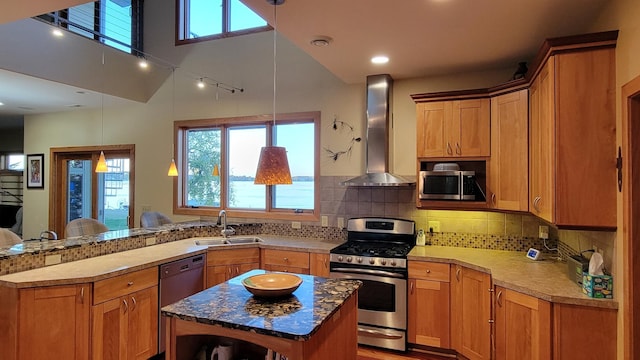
(319, 318)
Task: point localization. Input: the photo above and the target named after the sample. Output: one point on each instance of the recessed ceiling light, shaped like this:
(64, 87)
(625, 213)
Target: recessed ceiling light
(380, 59)
(321, 41)
(57, 32)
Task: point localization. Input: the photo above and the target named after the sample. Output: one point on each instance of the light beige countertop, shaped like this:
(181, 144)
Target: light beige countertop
(106, 266)
(545, 279)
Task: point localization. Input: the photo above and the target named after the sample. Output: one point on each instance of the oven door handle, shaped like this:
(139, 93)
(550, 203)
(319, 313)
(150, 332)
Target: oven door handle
(378, 334)
(368, 272)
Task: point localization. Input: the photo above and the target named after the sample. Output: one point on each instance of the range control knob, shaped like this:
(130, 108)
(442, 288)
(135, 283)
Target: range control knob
(340, 258)
(393, 263)
(359, 260)
(383, 261)
(372, 261)
(349, 259)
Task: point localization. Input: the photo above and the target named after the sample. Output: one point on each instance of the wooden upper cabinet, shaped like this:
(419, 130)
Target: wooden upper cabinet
(457, 128)
(507, 187)
(572, 140)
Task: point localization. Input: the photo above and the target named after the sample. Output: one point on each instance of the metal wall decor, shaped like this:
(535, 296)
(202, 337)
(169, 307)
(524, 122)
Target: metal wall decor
(339, 125)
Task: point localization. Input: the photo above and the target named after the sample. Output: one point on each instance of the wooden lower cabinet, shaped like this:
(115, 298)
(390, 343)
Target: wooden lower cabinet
(471, 296)
(583, 332)
(319, 264)
(522, 326)
(223, 265)
(428, 302)
(285, 261)
(45, 322)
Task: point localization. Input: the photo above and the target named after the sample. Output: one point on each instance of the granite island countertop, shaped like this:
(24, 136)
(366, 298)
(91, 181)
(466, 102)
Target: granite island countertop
(296, 317)
(545, 279)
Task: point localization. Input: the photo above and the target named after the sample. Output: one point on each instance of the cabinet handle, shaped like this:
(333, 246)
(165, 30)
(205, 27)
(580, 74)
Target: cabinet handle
(449, 150)
(126, 306)
(491, 321)
(82, 295)
(458, 149)
(411, 287)
(325, 263)
(493, 199)
(428, 271)
(133, 301)
(130, 283)
(499, 298)
(458, 274)
(536, 202)
(286, 259)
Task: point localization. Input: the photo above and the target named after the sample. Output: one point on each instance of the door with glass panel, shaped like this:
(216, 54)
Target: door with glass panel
(80, 192)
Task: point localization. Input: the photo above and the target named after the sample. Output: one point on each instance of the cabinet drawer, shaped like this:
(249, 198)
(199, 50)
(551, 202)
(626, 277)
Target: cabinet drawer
(429, 270)
(112, 288)
(233, 256)
(286, 258)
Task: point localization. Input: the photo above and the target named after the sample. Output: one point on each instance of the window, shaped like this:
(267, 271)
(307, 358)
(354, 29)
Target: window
(212, 19)
(114, 22)
(217, 159)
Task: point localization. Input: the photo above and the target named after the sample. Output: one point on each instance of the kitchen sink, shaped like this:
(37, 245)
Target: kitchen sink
(211, 241)
(227, 241)
(243, 240)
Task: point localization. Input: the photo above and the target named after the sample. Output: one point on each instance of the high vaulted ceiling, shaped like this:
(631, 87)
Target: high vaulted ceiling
(425, 37)
(421, 37)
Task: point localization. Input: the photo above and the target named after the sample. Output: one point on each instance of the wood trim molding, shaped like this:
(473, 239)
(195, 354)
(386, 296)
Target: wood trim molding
(630, 106)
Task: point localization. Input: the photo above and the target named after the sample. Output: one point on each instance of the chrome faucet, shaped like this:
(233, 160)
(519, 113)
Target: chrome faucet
(48, 235)
(222, 220)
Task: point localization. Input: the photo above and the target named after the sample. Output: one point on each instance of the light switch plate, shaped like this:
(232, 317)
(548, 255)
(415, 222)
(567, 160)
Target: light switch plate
(150, 240)
(324, 220)
(341, 223)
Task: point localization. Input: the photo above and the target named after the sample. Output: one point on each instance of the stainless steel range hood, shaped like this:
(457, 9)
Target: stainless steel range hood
(379, 89)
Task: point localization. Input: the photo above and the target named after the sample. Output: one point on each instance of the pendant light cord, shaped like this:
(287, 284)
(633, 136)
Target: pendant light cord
(275, 31)
(102, 104)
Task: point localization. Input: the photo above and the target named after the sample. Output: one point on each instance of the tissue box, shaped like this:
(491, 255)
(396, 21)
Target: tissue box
(597, 286)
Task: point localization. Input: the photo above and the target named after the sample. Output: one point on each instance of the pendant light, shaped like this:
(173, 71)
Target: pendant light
(101, 166)
(173, 170)
(273, 166)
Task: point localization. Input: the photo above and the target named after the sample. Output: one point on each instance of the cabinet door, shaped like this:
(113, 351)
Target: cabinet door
(54, 322)
(508, 187)
(218, 274)
(319, 264)
(142, 331)
(428, 313)
(471, 313)
(541, 143)
(522, 326)
(468, 132)
(109, 330)
(574, 328)
(243, 268)
(430, 123)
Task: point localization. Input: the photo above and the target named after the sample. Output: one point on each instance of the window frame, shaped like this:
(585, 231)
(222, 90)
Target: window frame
(182, 23)
(180, 128)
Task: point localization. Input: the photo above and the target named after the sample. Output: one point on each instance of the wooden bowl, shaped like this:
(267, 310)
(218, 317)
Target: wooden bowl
(272, 284)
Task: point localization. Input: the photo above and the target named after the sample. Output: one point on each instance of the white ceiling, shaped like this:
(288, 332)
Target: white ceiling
(421, 37)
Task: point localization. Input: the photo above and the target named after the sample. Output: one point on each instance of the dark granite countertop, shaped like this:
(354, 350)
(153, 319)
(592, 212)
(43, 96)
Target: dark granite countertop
(296, 317)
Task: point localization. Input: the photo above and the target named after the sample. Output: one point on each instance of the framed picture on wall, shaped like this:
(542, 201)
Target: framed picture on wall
(35, 171)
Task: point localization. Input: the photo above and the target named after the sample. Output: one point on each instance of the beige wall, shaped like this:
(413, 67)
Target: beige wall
(622, 15)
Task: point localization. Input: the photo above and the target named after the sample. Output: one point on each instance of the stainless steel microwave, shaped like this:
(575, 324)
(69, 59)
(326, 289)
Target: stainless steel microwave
(447, 185)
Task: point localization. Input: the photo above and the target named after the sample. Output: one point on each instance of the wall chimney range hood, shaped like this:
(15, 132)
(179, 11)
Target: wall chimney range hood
(379, 90)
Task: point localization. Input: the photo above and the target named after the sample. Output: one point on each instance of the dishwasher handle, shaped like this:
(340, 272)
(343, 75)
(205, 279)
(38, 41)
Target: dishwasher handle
(180, 266)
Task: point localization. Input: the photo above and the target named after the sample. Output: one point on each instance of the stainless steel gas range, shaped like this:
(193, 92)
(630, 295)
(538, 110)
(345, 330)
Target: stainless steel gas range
(376, 253)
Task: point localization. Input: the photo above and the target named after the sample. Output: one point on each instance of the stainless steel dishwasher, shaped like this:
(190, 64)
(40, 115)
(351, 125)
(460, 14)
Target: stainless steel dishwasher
(178, 280)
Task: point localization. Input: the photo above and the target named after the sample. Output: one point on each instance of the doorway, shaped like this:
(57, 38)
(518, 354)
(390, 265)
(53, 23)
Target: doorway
(79, 192)
(631, 210)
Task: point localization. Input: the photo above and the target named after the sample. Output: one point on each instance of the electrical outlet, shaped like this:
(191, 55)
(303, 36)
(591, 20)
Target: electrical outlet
(543, 232)
(340, 223)
(150, 240)
(296, 224)
(324, 220)
(52, 259)
(434, 226)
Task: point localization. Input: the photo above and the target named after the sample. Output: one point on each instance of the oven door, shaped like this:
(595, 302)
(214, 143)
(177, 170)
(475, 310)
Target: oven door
(382, 300)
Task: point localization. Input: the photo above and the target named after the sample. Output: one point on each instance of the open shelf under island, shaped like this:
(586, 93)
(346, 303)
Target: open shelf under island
(316, 320)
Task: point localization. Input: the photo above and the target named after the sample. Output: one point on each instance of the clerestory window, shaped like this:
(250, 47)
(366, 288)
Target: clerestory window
(212, 19)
